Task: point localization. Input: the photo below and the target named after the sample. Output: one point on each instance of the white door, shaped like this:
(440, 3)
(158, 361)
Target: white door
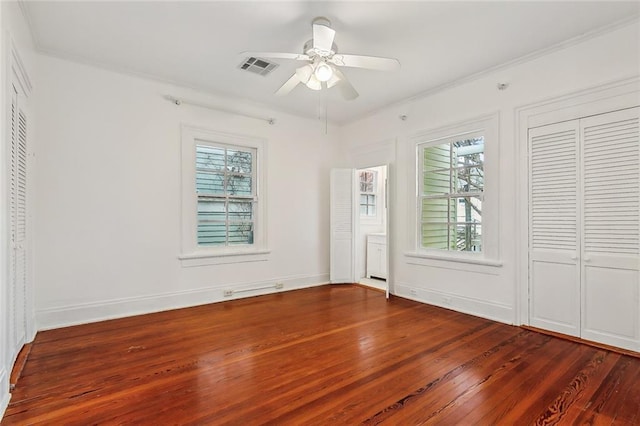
(584, 233)
(554, 271)
(17, 226)
(342, 217)
(611, 228)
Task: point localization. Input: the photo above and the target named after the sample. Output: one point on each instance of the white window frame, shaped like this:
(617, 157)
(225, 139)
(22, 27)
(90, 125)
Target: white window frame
(191, 253)
(487, 126)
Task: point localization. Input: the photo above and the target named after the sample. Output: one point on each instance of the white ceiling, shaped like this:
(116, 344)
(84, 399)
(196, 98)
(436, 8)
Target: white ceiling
(197, 44)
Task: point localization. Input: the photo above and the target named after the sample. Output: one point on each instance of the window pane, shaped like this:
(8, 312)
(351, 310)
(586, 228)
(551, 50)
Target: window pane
(450, 222)
(476, 159)
(209, 183)
(239, 185)
(436, 182)
(468, 236)
(469, 179)
(211, 210)
(469, 152)
(239, 161)
(240, 233)
(435, 236)
(224, 177)
(209, 158)
(371, 210)
(367, 181)
(363, 209)
(211, 234)
(240, 211)
(467, 209)
(437, 210)
(436, 157)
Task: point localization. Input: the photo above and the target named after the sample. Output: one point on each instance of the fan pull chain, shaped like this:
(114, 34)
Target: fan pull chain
(322, 110)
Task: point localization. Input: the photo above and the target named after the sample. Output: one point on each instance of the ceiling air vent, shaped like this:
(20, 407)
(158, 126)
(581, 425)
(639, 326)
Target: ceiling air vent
(258, 66)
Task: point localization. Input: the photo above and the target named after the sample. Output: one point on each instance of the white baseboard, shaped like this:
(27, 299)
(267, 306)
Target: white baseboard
(110, 309)
(377, 284)
(467, 305)
(4, 392)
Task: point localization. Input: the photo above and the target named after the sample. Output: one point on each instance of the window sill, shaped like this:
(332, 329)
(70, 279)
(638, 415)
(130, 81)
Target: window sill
(472, 264)
(223, 257)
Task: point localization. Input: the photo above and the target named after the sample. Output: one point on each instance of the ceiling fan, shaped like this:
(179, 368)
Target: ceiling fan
(323, 62)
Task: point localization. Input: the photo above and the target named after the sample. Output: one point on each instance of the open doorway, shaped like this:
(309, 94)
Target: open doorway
(371, 247)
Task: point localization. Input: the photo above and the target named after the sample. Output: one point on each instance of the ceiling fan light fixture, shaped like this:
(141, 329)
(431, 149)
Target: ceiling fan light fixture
(305, 73)
(323, 72)
(314, 83)
(323, 64)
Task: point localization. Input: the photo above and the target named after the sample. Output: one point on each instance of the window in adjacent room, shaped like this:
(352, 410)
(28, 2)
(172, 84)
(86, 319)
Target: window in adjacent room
(368, 192)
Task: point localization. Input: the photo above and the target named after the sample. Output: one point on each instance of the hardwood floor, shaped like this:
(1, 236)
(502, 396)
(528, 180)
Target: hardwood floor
(333, 355)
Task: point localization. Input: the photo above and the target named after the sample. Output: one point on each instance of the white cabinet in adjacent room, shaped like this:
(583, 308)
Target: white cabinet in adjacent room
(377, 256)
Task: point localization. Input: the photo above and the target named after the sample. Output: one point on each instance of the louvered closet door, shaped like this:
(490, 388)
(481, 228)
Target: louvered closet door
(342, 225)
(611, 228)
(554, 272)
(17, 227)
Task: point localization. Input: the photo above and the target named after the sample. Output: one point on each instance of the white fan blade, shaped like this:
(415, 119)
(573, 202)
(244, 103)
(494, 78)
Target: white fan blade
(323, 38)
(335, 78)
(347, 90)
(288, 86)
(369, 62)
(304, 73)
(278, 55)
(314, 83)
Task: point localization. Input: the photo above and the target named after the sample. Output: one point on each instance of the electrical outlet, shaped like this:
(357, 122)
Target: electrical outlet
(279, 286)
(228, 293)
(413, 292)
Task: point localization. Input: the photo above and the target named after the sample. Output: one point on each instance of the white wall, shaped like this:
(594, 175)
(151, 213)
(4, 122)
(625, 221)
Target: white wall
(108, 190)
(485, 290)
(13, 30)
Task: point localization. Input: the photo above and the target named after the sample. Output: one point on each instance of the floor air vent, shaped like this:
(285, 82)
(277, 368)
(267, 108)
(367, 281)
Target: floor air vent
(258, 66)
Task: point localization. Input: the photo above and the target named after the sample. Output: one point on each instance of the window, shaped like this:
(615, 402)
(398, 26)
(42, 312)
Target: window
(455, 212)
(225, 184)
(451, 191)
(368, 187)
(223, 196)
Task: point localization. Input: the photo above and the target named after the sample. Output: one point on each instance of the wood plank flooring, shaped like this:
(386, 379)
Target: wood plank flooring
(336, 354)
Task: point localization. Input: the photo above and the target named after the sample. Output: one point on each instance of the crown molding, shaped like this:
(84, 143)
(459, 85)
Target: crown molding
(634, 19)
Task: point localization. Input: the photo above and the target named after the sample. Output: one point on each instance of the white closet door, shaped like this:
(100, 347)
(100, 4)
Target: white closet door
(611, 228)
(554, 272)
(17, 227)
(342, 224)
